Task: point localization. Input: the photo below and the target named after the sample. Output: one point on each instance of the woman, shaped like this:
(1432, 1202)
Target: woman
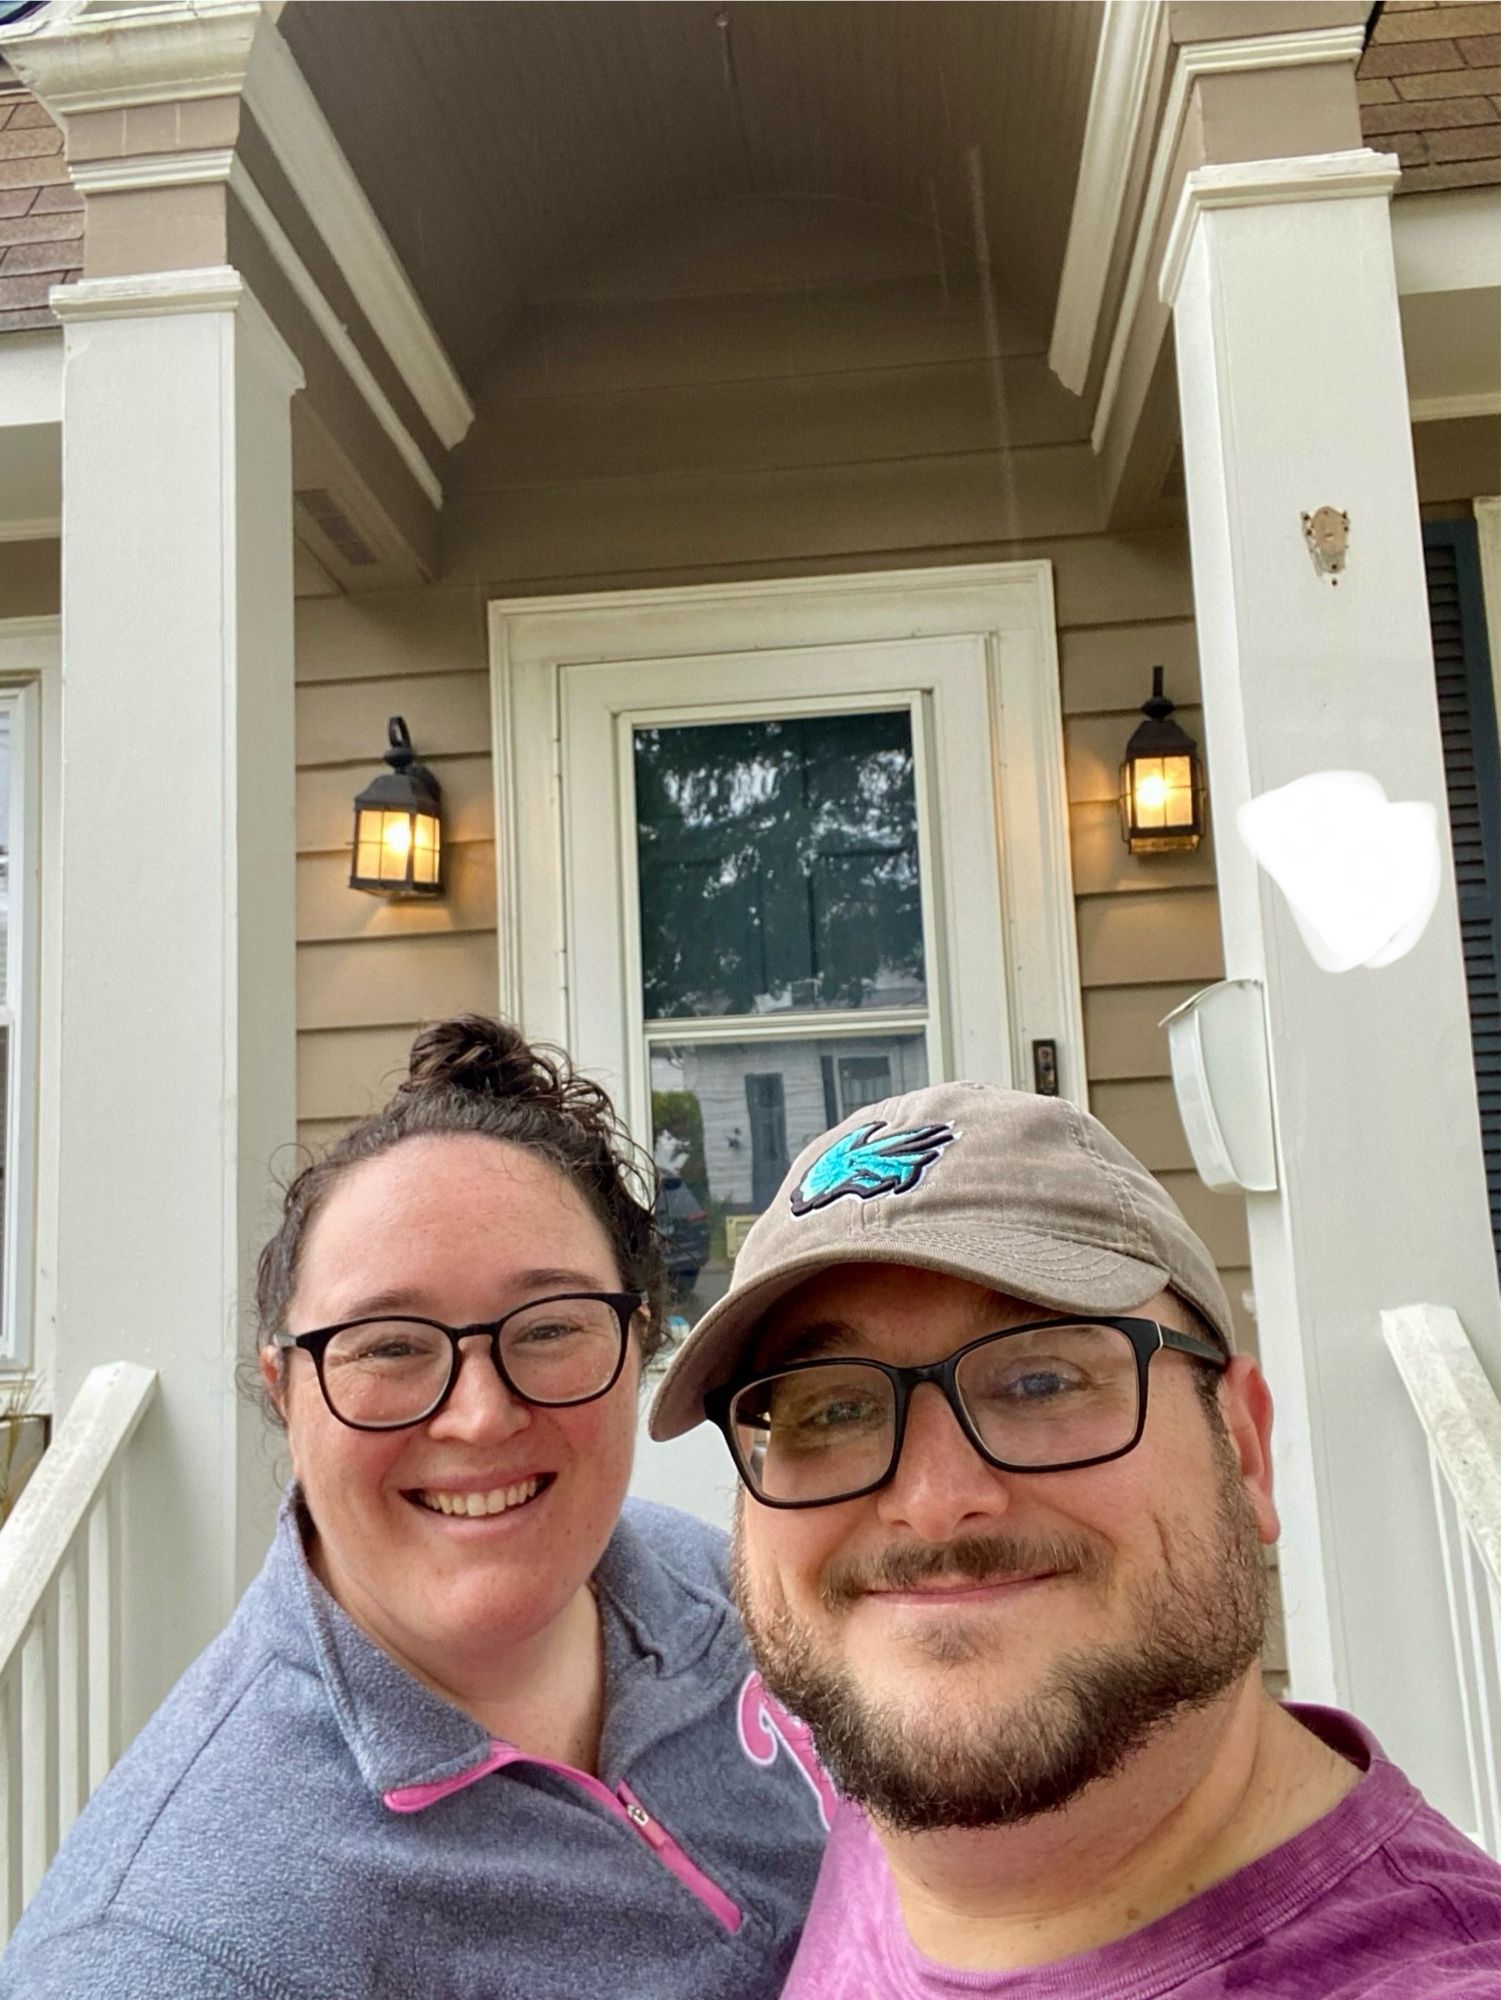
(472, 1733)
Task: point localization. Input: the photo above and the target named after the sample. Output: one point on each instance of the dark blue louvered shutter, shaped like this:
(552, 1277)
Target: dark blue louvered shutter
(1472, 767)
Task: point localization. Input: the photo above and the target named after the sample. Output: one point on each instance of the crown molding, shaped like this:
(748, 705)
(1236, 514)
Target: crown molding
(280, 100)
(152, 170)
(80, 58)
(1266, 183)
(1127, 64)
(333, 330)
(212, 288)
(1440, 409)
(1298, 50)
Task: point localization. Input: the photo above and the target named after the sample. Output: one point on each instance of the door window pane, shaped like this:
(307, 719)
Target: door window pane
(729, 1118)
(778, 866)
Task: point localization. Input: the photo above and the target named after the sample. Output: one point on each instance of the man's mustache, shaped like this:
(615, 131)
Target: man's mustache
(970, 1559)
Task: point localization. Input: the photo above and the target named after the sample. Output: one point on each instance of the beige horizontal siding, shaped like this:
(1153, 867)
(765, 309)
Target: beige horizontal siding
(1098, 662)
(394, 981)
(1123, 1031)
(340, 720)
(1150, 938)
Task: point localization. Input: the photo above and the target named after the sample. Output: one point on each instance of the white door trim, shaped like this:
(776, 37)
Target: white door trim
(1007, 607)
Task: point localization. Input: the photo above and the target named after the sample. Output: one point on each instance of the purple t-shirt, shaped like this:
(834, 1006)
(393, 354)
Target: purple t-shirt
(1380, 1899)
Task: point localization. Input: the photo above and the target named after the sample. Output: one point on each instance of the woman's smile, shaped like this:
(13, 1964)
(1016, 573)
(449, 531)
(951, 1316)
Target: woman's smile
(479, 1500)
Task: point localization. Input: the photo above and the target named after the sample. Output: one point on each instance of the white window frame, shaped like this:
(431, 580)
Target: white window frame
(30, 674)
(1007, 608)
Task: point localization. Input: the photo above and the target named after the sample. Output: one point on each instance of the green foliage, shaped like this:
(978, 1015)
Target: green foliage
(777, 858)
(15, 1461)
(680, 1113)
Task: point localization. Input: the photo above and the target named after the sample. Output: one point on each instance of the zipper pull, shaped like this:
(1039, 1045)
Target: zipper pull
(644, 1824)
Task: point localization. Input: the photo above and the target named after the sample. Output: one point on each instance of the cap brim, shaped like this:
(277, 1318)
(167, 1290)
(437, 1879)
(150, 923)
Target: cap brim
(1063, 1276)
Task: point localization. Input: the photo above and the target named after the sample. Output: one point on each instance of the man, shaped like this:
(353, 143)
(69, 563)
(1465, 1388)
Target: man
(1009, 1486)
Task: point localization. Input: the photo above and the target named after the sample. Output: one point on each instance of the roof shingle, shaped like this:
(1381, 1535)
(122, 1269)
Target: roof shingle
(1430, 91)
(41, 216)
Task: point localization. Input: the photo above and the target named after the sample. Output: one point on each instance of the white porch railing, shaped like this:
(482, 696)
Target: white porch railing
(60, 1629)
(1461, 1418)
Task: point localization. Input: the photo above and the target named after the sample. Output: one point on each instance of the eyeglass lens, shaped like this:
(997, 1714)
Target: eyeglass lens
(394, 1371)
(1057, 1396)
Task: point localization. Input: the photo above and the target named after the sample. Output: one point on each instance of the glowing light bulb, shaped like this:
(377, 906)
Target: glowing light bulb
(1151, 794)
(398, 837)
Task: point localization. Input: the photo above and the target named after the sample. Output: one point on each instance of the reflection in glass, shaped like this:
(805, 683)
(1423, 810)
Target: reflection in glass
(778, 866)
(729, 1118)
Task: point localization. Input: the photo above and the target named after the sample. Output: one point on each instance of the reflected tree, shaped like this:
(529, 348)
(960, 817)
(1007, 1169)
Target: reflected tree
(778, 865)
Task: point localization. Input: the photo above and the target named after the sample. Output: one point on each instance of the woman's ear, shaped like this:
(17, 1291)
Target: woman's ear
(274, 1377)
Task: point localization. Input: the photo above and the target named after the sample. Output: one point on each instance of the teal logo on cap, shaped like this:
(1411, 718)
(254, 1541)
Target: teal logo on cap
(863, 1165)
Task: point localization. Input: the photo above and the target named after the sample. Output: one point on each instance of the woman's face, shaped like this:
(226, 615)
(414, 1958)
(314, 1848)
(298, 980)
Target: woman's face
(457, 1228)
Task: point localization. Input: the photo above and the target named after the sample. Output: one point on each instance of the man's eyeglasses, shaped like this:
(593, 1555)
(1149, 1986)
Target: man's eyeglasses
(1050, 1396)
(385, 1374)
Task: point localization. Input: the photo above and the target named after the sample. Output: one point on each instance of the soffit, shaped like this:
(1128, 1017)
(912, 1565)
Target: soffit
(506, 144)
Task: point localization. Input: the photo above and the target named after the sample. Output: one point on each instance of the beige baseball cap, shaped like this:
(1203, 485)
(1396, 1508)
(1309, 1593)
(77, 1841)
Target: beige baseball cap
(1027, 1195)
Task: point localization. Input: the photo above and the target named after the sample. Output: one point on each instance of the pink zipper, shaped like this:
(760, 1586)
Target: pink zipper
(622, 1804)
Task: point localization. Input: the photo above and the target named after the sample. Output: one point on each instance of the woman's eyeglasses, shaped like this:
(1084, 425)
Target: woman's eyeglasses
(387, 1373)
(1046, 1397)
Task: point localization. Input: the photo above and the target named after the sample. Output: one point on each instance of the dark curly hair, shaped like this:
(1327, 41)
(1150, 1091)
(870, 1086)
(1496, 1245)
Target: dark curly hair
(476, 1074)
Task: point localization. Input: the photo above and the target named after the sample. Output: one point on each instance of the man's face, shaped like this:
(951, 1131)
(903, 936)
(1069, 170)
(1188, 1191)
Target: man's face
(972, 1647)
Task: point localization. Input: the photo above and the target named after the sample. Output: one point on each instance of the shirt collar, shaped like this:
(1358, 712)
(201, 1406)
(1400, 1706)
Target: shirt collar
(657, 1623)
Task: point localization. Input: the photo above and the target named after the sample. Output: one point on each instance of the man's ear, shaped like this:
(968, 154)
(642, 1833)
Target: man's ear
(1246, 1406)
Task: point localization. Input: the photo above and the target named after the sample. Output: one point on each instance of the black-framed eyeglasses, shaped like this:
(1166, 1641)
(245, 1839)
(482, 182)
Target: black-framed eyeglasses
(385, 1373)
(1050, 1396)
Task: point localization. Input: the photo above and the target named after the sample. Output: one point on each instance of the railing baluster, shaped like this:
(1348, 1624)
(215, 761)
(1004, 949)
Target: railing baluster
(1488, 1781)
(1461, 1418)
(10, 1796)
(39, 1745)
(97, 1675)
(60, 1628)
(104, 1635)
(73, 1683)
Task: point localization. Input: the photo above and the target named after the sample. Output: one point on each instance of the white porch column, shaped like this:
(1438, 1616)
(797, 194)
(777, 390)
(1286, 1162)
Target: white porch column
(177, 931)
(1291, 382)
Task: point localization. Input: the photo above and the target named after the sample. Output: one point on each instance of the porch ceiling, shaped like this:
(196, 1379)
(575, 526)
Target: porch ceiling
(505, 144)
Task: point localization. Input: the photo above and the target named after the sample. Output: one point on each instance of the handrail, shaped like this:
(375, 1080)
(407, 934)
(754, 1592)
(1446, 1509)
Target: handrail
(59, 1628)
(1461, 1418)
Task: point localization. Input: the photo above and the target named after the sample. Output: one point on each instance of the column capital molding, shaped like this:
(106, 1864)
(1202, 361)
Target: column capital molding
(77, 58)
(1361, 173)
(214, 288)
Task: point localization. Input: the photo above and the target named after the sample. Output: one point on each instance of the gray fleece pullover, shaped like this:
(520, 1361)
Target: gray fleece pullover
(301, 1820)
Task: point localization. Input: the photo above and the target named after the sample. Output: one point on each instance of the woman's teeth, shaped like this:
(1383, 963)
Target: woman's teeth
(476, 1504)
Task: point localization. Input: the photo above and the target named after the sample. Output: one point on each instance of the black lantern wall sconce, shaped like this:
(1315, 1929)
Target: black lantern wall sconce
(1162, 782)
(398, 826)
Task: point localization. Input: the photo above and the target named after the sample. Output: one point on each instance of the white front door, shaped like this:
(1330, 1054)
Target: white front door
(803, 848)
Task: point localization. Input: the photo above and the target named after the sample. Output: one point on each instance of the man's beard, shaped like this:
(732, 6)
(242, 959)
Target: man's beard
(1198, 1625)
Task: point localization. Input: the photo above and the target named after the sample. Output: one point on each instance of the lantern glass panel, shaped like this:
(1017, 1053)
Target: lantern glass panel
(1152, 791)
(425, 849)
(367, 845)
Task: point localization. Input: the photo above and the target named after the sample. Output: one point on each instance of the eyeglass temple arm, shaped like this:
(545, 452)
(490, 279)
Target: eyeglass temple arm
(1187, 1343)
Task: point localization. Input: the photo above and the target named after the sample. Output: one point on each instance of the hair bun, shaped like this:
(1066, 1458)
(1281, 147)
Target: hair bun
(483, 1057)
